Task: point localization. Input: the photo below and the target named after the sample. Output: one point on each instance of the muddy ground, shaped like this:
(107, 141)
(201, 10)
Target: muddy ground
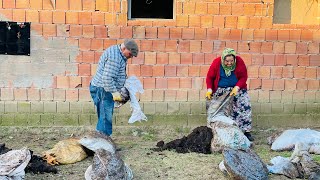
(136, 144)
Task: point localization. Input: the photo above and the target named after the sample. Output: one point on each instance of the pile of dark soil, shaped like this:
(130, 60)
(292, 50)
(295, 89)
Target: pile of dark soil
(198, 141)
(36, 165)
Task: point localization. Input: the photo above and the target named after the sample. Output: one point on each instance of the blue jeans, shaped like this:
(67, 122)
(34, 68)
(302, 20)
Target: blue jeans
(104, 102)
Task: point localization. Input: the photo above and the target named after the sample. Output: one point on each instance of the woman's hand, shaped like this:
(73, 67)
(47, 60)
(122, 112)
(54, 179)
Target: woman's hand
(209, 94)
(234, 91)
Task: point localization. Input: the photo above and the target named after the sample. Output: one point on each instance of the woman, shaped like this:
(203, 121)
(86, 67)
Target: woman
(228, 74)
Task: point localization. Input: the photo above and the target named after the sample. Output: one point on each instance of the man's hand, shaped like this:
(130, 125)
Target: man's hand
(209, 94)
(116, 96)
(234, 91)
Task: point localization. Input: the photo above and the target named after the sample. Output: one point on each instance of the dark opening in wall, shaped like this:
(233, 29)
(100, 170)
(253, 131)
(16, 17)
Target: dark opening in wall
(159, 9)
(282, 12)
(14, 38)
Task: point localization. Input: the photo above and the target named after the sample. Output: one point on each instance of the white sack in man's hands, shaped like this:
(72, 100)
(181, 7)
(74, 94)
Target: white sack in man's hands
(134, 85)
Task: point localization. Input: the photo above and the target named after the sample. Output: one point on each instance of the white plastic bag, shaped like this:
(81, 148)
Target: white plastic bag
(134, 85)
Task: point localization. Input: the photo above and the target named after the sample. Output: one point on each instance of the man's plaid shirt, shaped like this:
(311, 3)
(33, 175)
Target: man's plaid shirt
(111, 71)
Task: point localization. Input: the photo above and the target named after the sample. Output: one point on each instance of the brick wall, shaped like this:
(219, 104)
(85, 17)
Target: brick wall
(50, 87)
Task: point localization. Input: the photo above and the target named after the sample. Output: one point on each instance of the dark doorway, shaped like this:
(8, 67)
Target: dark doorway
(161, 9)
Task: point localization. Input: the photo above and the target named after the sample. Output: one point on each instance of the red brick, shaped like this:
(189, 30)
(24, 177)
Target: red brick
(157, 95)
(109, 19)
(9, 4)
(126, 32)
(290, 84)
(75, 82)
(84, 69)
(189, 7)
(158, 70)
(179, 7)
(194, 71)
(7, 13)
(173, 83)
(62, 82)
(188, 33)
(311, 73)
(313, 84)
(271, 35)
(278, 84)
(114, 32)
(182, 20)
(100, 32)
(247, 58)
(162, 58)
(87, 31)
(185, 83)
(171, 45)
(19, 15)
(22, 4)
(186, 58)
(259, 34)
(292, 60)
(278, 47)
(102, 5)
(235, 34)
(302, 48)
(254, 47)
(225, 8)
(314, 60)
(257, 59)
(207, 46)
(97, 18)
(266, 47)
(249, 9)
(84, 18)
(170, 71)
(88, 5)
(146, 70)
(47, 5)
(139, 59)
(213, 33)
(150, 57)
(134, 70)
(174, 58)
(85, 44)
(204, 70)
(61, 4)
(184, 46)
(20, 94)
(175, 33)
(149, 83)
(32, 16)
(200, 33)
(237, 9)
(306, 35)
(182, 96)
(255, 84)
(213, 8)
(195, 46)
(59, 17)
(283, 35)
(269, 60)
(290, 47)
(302, 84)
(46, 17)
(264, 72)
(150, 32)
(72, 95)
(75, 5)
(254, 22)
(49, 30)
(218, 21)
(243, 22)
(287, 72)
(146, 45)
(299, 72)
(139, 32)
(161, 83)
(267, 84)
(280, 60)
(182, 71)
(159, 45)
(206, 21)
(201, 8)
(247, 34)
(266, 22)
(303, 60)
(37, 28)
(198, 58)
(294, 35)
(233, 45)
(224, 34)
(313, 48)
(276, 72)
(243, 47)
(72, 17)
(75, 30)
(163, 33)
(88, 57)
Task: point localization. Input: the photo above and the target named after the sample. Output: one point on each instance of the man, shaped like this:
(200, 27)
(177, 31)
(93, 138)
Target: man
(109, 79)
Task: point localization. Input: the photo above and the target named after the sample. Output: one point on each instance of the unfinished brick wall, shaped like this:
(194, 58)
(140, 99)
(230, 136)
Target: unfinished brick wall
(69, 36)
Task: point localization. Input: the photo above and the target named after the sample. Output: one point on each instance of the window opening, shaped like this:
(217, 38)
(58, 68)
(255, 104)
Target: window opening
(155, 9)
(14, 38)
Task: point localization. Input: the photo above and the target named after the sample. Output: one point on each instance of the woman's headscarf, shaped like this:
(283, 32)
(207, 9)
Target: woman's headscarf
(226, 52)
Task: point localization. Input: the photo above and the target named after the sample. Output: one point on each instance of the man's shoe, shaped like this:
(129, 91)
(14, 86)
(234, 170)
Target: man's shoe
(249, 136)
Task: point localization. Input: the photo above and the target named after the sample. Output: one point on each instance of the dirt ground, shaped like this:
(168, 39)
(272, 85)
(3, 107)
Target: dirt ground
(135, 143)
